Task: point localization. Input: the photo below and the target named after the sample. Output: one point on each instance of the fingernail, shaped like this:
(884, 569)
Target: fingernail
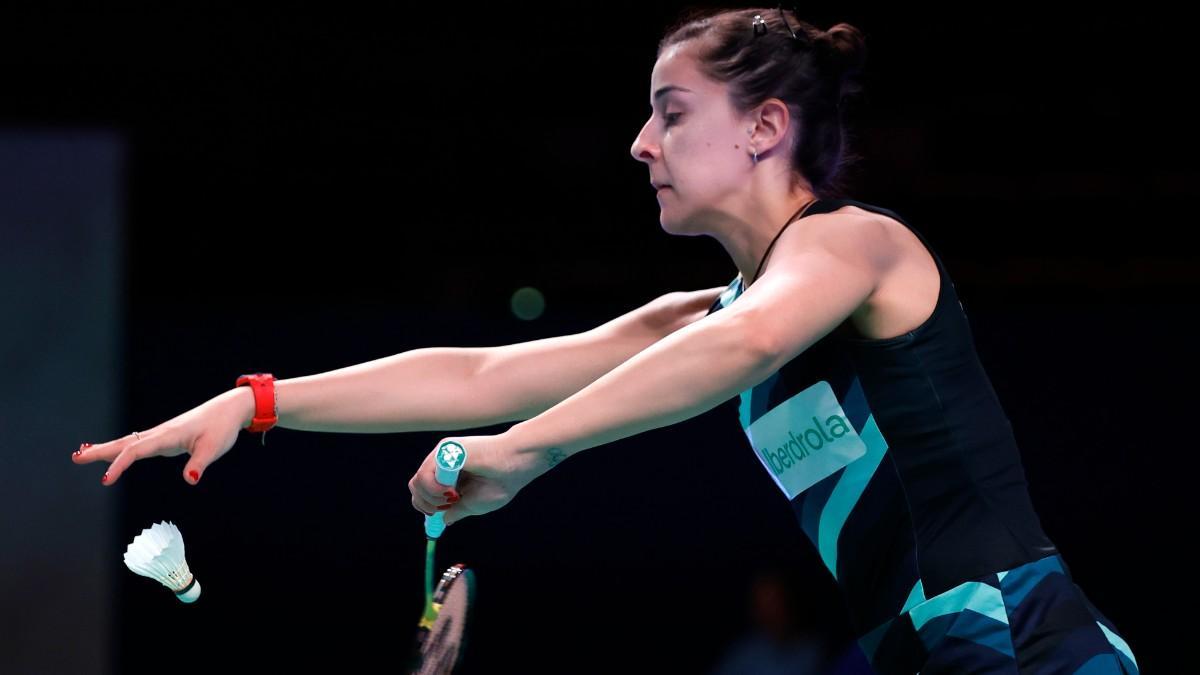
(450, 494)
(104, 478)
(195, 475)
(78, 452)
(443, 508)
(453, 499)
(83, 446)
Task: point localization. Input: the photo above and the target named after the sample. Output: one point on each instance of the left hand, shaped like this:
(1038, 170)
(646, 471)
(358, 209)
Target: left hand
(493, 474)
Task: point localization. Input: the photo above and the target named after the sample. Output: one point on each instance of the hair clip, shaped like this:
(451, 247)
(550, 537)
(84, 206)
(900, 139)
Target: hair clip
(760, 25)
(783, 18)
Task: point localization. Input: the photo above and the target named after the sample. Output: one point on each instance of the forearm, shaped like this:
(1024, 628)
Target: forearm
(686, 373)
(417, 390)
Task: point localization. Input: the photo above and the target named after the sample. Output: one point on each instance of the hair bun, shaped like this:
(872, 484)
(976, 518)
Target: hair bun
(847, 48)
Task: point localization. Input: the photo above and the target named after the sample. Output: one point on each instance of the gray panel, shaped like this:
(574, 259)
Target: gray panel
(61, 318)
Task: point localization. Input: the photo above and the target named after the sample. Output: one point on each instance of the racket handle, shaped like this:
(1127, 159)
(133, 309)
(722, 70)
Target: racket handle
(449, 461)
(435, 525)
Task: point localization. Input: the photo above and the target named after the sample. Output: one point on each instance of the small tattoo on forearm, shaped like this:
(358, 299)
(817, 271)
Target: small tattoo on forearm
(554, 456)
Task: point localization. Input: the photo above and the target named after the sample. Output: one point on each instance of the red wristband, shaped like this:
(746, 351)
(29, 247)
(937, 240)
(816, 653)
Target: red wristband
(266, 407)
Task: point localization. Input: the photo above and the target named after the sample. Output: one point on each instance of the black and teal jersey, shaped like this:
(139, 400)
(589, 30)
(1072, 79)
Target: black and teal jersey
(898, 460)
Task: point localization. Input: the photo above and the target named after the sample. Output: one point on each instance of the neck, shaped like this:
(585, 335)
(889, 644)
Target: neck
(748, 246)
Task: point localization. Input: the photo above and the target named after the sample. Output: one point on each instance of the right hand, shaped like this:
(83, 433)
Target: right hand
(206, 432)
(493, 474)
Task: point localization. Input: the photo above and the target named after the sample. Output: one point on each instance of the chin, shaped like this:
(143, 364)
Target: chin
(675, 226)
(669, 224)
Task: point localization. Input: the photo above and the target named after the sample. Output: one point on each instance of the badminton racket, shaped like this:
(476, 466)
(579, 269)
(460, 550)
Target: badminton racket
(441, 631)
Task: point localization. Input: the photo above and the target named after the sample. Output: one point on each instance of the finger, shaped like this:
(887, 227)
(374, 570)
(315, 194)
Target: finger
(154, 441)
(204, 452)
(424, 506)
(454, 514)
(128, 456)
(88, 453)
(424, 485)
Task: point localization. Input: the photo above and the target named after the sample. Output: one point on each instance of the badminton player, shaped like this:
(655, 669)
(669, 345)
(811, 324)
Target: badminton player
(860, 388)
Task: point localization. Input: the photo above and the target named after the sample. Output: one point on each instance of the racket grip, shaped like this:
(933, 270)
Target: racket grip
(435, 525)
(448, 462)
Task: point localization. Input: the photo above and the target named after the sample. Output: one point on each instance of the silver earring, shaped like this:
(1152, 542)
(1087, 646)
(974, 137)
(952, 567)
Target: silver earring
(755, 156)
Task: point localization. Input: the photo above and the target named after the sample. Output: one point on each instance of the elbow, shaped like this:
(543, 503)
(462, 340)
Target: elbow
(759, 344)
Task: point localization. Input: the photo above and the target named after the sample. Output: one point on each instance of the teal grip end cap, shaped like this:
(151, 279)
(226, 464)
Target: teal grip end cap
(449, 460)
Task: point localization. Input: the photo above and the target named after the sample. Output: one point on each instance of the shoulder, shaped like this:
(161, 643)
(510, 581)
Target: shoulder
(855, 237)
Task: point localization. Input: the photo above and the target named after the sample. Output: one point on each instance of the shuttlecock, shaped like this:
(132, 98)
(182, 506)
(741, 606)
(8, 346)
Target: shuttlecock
(158, 553)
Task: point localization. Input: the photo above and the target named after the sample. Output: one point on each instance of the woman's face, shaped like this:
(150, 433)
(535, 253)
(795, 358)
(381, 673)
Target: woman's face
(694, 142)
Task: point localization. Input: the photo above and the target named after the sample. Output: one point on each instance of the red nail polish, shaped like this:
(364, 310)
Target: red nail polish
(453, 499)
(450, 494)
(104, 478)
(443, 508)
(85, 445)
(195, 475)
(78, 452)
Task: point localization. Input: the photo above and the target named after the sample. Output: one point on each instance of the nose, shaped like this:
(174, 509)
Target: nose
(641, 150)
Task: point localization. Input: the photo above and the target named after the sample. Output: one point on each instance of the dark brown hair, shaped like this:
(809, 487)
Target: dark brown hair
(811, 75)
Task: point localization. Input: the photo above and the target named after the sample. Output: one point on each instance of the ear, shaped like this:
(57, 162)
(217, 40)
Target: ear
(769, 125)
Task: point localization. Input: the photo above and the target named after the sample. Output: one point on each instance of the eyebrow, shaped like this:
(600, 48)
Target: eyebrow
(663, 91)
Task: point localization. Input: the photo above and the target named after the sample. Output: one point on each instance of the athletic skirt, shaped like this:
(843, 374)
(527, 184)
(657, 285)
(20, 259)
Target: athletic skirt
(1032, 619)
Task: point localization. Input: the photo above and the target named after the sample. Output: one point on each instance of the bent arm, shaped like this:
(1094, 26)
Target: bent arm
(825, 272)
(686, 373)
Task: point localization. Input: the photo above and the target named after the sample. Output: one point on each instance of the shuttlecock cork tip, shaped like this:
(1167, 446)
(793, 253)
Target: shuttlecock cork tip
(191, 593)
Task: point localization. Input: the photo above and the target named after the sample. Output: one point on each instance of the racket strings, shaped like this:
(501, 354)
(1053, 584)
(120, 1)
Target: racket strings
(443, 646)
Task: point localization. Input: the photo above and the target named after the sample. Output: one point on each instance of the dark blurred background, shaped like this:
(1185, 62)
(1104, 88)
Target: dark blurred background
(195, 193)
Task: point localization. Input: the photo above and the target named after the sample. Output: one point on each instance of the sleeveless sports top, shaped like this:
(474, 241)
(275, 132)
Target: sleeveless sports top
(897, 457)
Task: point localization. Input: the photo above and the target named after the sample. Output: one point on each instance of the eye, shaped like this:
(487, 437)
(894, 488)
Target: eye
(671, 117)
